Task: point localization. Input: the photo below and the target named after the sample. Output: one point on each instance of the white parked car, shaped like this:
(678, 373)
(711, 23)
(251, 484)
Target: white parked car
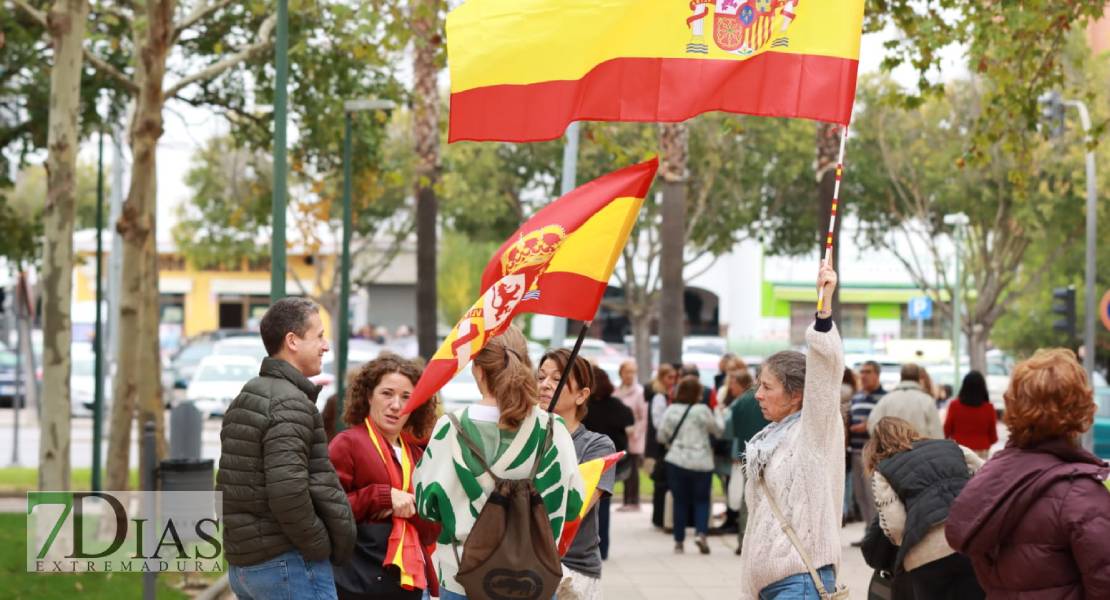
(593, 348)
(704, 344)
(241, 346)
(82, 383)
(218, 379)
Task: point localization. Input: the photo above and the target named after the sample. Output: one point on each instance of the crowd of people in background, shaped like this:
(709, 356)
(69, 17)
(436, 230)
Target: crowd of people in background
(395, 505)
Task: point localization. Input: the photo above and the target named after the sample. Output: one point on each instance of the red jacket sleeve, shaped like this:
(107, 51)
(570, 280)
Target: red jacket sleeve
(950, 419)
(994, 425)
(367, 500)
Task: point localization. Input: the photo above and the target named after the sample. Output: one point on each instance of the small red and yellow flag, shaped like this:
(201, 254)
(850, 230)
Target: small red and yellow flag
(521, 70)
(558, 263)
(403, 550)
(591, 471)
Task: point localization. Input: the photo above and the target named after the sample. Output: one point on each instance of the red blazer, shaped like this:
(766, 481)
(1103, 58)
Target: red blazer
(972, 426)
(365, 478)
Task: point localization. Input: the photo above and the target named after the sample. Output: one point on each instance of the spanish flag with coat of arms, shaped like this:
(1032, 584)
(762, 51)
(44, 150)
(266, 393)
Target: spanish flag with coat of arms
(522, 70)
(557, 263)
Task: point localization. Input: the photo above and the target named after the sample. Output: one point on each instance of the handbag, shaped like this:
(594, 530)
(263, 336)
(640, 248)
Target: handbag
(365, 574)
(735, 498)
(841, 591)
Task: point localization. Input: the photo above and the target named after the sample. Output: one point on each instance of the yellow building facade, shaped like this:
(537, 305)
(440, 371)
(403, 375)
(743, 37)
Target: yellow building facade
(233, 296)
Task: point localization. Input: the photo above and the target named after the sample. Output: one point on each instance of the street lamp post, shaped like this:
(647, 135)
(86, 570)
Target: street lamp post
(1054, 114)
(280, 194)
(349, 108)
(570, 175)
(1092, 216)
(958, 221)
(98, 367)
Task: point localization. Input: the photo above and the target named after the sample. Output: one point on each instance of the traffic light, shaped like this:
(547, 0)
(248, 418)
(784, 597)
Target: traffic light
(1052, 115)
(1063, 304)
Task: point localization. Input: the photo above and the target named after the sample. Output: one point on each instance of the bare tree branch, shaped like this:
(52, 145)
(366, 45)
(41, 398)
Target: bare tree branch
(34, 13)
(201, 11)
(233, 111)
(110, 71)
(400, 236)
(689, 278)
(115, 11)
(100, 64)
(263, 43)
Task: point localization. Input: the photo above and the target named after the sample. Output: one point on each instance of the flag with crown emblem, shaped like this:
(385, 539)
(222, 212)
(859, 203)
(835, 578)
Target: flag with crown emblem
(521, 70)
(557, 263)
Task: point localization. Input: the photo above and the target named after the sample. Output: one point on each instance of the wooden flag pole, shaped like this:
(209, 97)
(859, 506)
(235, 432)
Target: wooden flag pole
(570, 363)
(827, 259)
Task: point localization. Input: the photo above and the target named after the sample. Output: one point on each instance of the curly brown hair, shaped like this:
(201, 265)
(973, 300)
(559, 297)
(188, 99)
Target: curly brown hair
(1049, 397)
(361, 385)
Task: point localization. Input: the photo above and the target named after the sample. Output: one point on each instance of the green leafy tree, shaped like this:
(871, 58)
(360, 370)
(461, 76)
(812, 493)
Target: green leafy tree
(230, 208)
(131, 45)
(1027, 325)
(461, 263)
(920, 174)
(21, 210)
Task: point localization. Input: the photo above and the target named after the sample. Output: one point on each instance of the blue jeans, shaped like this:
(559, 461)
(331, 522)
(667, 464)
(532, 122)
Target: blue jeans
(286, 575)
(800, 586)
(689, 488)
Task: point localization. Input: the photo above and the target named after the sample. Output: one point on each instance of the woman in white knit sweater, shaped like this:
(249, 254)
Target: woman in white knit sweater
(799, 460)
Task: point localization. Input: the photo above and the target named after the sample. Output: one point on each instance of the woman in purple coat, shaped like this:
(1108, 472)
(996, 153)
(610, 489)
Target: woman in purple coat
(1035, 520)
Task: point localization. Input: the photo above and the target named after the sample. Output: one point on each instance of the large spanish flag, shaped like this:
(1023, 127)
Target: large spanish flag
(522, 70)
(557, 263)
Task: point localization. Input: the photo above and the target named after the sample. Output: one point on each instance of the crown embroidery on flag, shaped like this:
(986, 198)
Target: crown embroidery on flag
(533, 249)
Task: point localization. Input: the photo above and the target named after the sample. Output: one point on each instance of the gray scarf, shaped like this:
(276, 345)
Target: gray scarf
(758, 450)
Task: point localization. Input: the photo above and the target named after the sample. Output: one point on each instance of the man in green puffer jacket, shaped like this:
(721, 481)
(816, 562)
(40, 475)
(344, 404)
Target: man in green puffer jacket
(285, 514)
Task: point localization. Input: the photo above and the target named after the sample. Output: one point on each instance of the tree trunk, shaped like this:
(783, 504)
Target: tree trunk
(426, 30)
(151, 402)
(66, 24)
(977, 342)
(828, 151)
(673, 141)
(640, 321)
(139, 296)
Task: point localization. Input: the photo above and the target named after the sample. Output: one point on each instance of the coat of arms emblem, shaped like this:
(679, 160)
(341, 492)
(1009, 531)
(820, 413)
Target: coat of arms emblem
(741, 27)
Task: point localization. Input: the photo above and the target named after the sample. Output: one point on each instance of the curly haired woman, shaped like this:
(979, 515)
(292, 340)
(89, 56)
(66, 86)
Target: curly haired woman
(375, 458)
(1035, 519)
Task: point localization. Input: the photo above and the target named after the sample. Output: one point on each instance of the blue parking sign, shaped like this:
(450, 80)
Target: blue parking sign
(921, 308)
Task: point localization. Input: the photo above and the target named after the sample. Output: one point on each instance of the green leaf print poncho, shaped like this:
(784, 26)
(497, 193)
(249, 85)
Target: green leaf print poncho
(451, 487)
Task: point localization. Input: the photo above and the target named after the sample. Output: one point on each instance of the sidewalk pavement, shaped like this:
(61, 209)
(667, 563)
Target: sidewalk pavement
(642, 564)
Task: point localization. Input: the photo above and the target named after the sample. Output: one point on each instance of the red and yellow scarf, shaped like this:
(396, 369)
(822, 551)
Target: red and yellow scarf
(404, 551)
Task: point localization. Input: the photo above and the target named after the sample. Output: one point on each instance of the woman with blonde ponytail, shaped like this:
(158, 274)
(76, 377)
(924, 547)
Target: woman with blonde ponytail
(509, 426)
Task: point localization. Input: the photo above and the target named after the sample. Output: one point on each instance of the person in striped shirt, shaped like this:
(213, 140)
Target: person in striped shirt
(871, 390)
